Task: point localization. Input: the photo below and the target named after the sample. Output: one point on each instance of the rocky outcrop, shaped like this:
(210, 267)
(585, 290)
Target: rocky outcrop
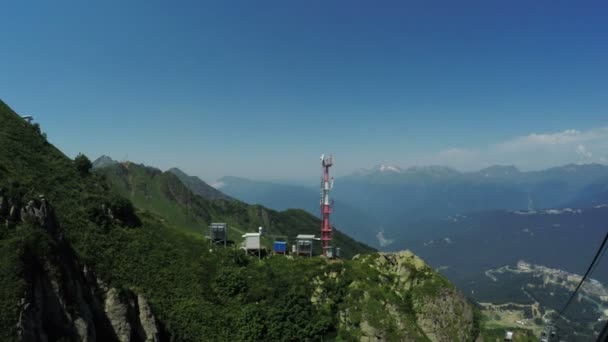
(39, 212)
(149, 327)
(117, 312)
(446, 316)
(9, 210)
(66, 301)
(403, 299)
(129, 315)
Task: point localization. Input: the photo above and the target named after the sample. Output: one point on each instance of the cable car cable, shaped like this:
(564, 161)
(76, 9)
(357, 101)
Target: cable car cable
(600, 252)
(603, 337)
(598, 261)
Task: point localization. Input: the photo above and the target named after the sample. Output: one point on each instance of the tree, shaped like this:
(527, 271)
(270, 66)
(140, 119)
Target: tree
(123, 210)
(83, 164)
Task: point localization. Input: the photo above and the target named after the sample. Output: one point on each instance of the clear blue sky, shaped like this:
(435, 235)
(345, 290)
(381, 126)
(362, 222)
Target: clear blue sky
(262, 88)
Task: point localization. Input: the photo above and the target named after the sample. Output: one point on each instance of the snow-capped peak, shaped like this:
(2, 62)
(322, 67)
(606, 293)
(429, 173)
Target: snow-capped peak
(388, 168)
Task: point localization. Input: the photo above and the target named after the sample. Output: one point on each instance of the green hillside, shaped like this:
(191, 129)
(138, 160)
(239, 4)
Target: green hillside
(96, 269)
(163, 193)
(197, 186)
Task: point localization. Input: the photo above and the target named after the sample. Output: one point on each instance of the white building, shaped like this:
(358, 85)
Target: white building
(251, 242)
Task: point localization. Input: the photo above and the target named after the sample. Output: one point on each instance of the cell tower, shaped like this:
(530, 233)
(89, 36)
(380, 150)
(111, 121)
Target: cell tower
(326, 206)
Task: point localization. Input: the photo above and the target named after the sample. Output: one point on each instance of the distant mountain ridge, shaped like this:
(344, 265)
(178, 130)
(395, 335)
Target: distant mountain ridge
(103, 161)
(198, 186)
(504, 172)
(195, 184)
(165, 194)
(286, 196)
(386, 198)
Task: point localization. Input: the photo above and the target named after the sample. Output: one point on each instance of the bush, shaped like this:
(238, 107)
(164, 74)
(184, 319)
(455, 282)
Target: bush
(83, 164)
(123, 210)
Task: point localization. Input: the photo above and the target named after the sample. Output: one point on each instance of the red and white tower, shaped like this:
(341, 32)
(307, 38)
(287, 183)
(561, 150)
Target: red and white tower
(326, 206)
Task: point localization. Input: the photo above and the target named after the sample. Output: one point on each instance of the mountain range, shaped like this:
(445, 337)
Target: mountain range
(286, 196)
(381, 202)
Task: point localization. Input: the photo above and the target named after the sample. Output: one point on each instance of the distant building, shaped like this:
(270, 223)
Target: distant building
(304, 244)
(280, 247)
(252, 243)
(217, 233)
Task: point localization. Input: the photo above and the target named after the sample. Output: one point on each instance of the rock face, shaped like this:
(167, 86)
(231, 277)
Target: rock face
(149, 328)
(129, 315)
(400, 298)
(66, 301)
(445, 317)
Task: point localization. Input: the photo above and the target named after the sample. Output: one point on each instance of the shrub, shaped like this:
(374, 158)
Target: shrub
(83, 164)
(123, 210)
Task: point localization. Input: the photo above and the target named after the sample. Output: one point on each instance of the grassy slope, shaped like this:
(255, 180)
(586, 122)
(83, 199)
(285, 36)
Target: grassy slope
(30, 166)
(198, 186)
(164, 194)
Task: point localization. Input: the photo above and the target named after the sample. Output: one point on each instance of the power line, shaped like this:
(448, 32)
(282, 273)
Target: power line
(598, 261)
(603, 337)
(600, 252)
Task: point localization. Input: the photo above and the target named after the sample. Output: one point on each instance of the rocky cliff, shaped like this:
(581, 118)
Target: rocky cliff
(396, 296)
(64, 300)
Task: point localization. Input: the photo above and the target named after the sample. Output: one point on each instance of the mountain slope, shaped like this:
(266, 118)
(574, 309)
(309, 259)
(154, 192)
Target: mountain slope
(353, 221)
(46, 208)
(103, 161)
(595, 194)
(84, 265)
(164, 194)
(197, 186)
(435, 192)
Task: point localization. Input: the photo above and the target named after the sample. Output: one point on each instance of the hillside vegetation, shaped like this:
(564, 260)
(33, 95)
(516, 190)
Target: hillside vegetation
(97, 268)
(165, 194)
(197, 186)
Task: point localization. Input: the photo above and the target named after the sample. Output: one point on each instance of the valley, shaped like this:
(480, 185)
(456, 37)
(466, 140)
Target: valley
(540, 295)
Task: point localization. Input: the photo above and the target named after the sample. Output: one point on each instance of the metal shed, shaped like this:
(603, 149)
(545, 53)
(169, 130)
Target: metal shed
(304, 244)
(251, 243)
(217, 233)
(280, 247)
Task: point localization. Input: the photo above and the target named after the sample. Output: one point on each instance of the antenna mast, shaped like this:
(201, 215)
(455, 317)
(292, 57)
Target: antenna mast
(326, 206)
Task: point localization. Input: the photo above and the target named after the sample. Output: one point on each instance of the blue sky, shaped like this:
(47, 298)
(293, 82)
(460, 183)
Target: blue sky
(262, 88)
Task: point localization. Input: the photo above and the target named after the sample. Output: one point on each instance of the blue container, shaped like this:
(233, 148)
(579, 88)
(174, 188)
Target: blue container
(280, 246)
